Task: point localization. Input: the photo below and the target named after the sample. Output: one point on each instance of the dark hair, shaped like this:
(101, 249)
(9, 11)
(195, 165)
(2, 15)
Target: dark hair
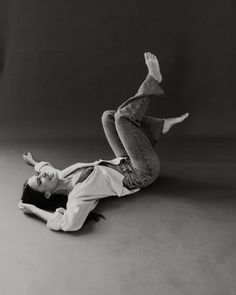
(31, 196)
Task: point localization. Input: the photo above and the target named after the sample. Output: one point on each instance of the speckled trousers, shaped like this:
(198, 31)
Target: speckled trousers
(133, 135)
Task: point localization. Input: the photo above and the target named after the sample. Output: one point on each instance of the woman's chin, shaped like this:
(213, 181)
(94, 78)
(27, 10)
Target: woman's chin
(55, 180)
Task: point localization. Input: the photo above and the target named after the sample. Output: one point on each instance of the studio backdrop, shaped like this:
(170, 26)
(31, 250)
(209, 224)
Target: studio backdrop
(62, 63)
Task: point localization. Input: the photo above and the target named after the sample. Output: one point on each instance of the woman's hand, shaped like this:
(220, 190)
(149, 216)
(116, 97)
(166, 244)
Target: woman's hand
(48, 172)
(27, 208)
(28, 158)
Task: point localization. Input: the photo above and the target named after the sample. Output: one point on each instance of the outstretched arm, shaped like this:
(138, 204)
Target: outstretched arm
(71, 219)
(31, 209)
(39, 166)
(29, 160)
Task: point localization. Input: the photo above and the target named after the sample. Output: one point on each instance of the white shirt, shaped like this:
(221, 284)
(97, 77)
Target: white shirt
(101, 183)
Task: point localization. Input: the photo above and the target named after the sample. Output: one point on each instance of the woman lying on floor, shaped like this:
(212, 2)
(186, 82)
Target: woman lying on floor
(75, 191)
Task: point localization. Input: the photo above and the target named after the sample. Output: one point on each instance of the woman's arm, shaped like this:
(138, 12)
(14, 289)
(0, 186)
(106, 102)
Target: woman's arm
(42, 214)
(39, 166)
(71, 219)
(29, 160)
(31, 209)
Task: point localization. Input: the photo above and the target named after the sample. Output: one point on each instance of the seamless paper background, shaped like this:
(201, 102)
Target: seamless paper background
(63, 62)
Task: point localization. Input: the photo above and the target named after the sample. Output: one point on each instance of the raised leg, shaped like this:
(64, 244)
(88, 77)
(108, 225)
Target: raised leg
(150, 126)
(133, 135)
(128, 118)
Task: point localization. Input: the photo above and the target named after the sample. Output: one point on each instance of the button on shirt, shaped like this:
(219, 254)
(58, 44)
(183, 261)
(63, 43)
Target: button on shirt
(102, 182)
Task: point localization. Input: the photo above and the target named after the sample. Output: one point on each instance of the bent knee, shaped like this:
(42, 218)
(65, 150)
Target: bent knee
(108, 114)
(119, 114)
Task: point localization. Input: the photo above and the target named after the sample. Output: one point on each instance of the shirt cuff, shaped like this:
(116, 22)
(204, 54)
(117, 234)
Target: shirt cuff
(55, 221)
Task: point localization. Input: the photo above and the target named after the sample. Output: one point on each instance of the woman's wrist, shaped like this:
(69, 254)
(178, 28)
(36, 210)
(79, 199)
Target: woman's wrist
(32, 163)
(34, 209)
(29, 160)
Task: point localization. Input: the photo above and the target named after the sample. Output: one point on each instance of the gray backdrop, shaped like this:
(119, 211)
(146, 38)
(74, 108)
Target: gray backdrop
(63, 62)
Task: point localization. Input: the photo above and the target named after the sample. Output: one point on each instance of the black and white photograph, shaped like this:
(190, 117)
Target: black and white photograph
(117, 147)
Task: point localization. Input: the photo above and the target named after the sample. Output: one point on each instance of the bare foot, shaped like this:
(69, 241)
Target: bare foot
(153, 66)
(170, 122)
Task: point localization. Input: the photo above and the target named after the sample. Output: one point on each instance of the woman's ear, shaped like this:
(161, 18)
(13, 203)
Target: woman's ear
(47, 195)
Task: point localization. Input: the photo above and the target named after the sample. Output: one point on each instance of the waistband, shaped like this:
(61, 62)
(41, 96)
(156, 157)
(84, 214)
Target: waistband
(122, 167)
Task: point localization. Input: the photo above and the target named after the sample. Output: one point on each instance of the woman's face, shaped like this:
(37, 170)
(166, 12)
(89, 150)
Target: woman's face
(43, 183)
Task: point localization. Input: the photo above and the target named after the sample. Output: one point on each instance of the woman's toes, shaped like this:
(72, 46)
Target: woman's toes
(185, 115)
(182, 118)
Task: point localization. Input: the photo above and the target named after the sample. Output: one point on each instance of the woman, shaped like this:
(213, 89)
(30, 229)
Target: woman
(74, 192)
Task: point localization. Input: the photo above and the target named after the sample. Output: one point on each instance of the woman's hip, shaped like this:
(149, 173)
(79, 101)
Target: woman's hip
(137, 178)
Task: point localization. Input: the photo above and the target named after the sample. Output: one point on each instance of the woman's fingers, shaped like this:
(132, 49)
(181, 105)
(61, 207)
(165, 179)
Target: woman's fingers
(28, 158)
(20, 205)
(23, 207)
(27, 155)
(53, 174)
(49, 175)
(26, 208)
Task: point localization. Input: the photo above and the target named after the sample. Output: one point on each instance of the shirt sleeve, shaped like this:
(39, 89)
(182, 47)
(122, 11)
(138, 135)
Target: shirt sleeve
(73, 217)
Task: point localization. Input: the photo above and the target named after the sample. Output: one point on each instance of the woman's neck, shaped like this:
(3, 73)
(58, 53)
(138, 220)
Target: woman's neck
(64, 186)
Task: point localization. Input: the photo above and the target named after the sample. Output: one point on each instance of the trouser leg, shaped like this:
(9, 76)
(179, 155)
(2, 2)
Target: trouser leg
(151, 127)
(128, 119)
(108, 122)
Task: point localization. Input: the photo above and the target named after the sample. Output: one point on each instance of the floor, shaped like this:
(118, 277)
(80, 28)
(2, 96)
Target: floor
(176, 237)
